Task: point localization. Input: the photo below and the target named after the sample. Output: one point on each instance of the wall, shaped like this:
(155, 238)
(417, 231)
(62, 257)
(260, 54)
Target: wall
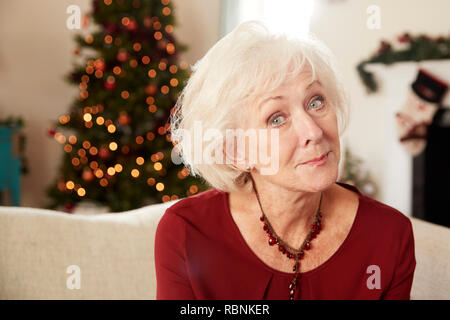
(36, 52)
(342, 26)
(35, 55)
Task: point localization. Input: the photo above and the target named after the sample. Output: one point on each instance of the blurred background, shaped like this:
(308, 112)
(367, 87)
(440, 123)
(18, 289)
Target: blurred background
(86, 88)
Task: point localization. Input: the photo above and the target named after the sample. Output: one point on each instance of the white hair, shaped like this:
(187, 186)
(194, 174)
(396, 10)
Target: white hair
(242, 66)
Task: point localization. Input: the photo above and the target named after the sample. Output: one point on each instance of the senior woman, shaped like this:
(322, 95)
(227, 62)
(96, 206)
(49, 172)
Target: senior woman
(289, 233)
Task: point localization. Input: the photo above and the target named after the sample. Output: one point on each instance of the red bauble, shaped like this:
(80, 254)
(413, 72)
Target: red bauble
(103, 153)
(148, 22)
(404, 38)
(132, 25)
(150, 89)
(122, 56)
(384, 47)
(85, 21)
(124, 119)
(69, 207)
(100, 65)
(88, 175)
(110, 28)
(51, 132)
(110, 85)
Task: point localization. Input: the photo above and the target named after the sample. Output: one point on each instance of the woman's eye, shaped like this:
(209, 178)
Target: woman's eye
(275, 121)
(317, 102)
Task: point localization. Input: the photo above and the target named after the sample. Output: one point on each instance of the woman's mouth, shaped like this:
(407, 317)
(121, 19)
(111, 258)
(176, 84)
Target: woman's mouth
(317, 162)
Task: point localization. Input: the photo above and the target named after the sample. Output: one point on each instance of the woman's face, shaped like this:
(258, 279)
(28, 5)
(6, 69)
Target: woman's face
(307, 129)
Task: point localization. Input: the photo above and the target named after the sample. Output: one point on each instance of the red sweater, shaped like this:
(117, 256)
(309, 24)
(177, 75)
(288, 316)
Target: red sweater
(201, 254)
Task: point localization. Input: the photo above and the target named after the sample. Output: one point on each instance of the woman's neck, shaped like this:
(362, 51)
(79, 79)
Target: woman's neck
(290, 212)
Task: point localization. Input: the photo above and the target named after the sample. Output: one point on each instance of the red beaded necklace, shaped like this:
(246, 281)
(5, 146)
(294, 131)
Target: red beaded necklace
(284, 248)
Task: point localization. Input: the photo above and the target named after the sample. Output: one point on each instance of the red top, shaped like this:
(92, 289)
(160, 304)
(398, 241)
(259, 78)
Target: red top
(201, 254)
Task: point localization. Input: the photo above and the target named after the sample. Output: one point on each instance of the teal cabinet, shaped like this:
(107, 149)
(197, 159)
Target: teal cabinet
(9, 165)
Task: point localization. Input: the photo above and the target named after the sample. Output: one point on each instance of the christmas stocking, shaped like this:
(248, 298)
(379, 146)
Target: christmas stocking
(424, 98)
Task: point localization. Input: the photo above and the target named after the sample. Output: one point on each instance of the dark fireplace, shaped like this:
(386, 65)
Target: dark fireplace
(431, 173)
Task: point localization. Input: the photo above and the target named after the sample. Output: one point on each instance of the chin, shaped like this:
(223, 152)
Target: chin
(322, 185)
(317, 181)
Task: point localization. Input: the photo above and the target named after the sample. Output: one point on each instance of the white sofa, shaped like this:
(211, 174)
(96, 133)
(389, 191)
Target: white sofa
(114, 254)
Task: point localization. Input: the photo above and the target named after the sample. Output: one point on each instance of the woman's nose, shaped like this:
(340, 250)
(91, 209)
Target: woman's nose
(307, 129)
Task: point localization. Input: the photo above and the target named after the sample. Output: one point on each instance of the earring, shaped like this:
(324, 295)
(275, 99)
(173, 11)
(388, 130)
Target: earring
(248, 168)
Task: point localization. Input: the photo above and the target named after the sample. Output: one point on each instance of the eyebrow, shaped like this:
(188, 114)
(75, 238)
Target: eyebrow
(282, 97)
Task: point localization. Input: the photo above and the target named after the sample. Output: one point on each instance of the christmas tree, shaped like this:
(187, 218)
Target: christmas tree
(116, 135)
(355, 174)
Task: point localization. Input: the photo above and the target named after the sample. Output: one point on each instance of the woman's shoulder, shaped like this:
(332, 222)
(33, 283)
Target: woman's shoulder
(199, 205)
(377, 215)
(203, 213)
(384, 215)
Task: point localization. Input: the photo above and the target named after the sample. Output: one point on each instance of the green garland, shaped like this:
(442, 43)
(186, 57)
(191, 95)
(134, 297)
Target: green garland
(418, 48)
(18, 123)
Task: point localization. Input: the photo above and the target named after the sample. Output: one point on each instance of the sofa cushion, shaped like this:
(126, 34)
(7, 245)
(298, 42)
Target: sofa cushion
(432, 247)
(114, 253)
